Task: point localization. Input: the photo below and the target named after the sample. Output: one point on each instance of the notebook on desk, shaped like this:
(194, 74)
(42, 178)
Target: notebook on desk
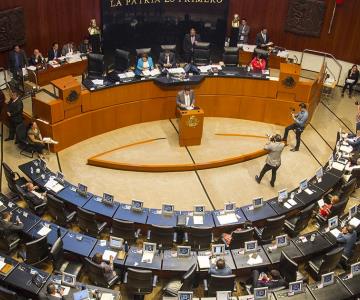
(198, 220)
(203, 261)
(335, 232)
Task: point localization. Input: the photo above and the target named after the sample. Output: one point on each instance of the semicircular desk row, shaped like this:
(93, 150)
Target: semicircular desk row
(100, 109)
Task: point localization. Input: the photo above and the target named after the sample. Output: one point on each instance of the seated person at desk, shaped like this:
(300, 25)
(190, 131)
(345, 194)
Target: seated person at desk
(68, 49)
(351, 80)
(325, 210)
(108, 269)
(54, 52)
(347, 239)
(34, 195)
(35, 139)
(354, 140)
(262, 39)
(220, 268)
(11, 228)
(258, 63)
(85, 46)
(144, 63)
(185, 99)
(167, 59)
(37, 58)
(52, 292)
(272, 280)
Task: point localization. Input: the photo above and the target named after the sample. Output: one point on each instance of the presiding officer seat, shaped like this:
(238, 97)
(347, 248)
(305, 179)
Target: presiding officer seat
(12, 178)
(125, 230)
(185, 284)
(273, 227)
(139, 282)
(219, 283)
(201, 53)
(88, 223)
(57, 210)
(122, 61)
(96, 275)
(96, 66)
(298, 223)
(231, 56)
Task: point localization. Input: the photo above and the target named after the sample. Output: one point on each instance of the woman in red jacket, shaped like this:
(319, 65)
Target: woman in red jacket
(258, 63)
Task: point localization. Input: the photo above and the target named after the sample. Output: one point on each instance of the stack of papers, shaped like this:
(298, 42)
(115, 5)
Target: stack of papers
(53, 185)
(49, 140)
(198, 220)
(44, 231)
(283, 54)
(107, 254)
(227, 219)
(106, 296)
(308, 191)
(204, 69)
(125, 75)
(176, 71)
(31, 68)
(203, 262)
(346, 149)
(154, 72)
(98, 81)
(355, 222)
(254, 261)
(335, 232)
(290, 203)
(338, 166)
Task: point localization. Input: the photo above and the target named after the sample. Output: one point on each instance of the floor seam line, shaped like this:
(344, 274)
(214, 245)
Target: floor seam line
(322, 102)
(321, 136)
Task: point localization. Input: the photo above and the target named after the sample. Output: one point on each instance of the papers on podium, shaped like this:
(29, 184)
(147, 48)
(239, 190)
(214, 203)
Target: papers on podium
(203, 261)
(98, 81)
(227, 219)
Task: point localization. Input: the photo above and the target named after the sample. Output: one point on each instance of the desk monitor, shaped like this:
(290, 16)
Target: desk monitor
(281, 241)
(355, 269)
(183, 251)
(333, 222)
(59, 177)
(199, 210)
(108, 199)
(218, 249)
(229, 207)
(81, 189)
(149, 247)
(137, 205)
(116, 242)
(168, 209)
(260, 293)
(319, 173)
(223, 295)
(327, 279)
(251, 246)
(257, 202)
(353, 211)
(185, 295)
(68, 279)
(303, 185)
(82, 295)
(282, 195)
(295, 287)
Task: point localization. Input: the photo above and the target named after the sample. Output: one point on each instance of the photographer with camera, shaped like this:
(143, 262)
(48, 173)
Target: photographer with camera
(273, 160)
(300, 121)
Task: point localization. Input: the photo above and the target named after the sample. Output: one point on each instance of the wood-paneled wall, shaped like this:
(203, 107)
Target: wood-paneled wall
(56, 20)
(343, 42)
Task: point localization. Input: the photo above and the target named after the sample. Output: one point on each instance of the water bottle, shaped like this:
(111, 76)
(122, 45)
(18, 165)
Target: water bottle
(126, 247)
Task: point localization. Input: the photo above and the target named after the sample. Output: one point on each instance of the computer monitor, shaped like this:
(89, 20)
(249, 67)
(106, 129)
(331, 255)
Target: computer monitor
(168, 209)
(185, 295)
(355, 269)
(108, 199)
(82, 295)
(257, 202)
(333, 222)
(149, 247)
(295, 287)
(281, 240)
(218, 249)
(303, 185)
(199, 210)
(116, 242)
(327, 279)
(223, 295)
(183, 251)
(60, 177)
(353, 211)
(260, 293)
(319, 173)
(229, 207)
(68, 279)
(282, 195)
(81, 189)
(251, 246)
(137, 205)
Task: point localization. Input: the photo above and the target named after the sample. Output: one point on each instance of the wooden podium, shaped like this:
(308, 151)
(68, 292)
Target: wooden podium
(288, 81)
(190, 127)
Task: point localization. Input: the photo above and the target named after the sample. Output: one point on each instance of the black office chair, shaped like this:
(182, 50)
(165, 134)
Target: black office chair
(36, 252)
(201, 53)
(125, 230)
(142, 51)
(26, 149)
(60, 264)
(6, 294)
(8, 241)
(199, 238)
(96, 275)
(347, 189)
(231, 56)
(122, 61)
(296, 224)
(28, 198)
(185, 284)
(162, 235)
(219, 283)
(96, 66)
(336, 210)
(325, 263)
(273, 227)
(139, 282)
(238, 238)
(12, 178)
(171, 48)
(289, 269)
(354, 258)
(88, 223)
(57, 210)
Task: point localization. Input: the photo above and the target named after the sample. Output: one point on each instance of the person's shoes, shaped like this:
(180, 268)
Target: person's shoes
(257, 179)
(272, 184)
(294, 149)
(8, 139)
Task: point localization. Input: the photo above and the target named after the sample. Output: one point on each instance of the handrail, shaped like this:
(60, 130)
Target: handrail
(324, 54)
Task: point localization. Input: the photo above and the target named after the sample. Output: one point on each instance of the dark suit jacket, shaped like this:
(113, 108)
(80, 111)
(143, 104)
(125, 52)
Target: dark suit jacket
(354, 76)
(11, 227)
(16, 110)
(34, 62)
(35, 200)
(22, 60)
(51, 54)
(162, 59)
(259, 39)
(180, 99)
(187, 45)
(84, 48)
(246, 34)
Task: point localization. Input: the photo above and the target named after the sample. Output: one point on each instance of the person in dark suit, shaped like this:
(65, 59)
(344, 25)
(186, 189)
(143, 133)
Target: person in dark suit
(190, 40)
(262, 39)
(85, 46)
(351, 80)
(220, 268)
(272, 280)
(68, 49)
(167, 59)
(2, 100)
(244, 30)
(15, 111)
(37, 58)
(10, 228)
(54, 52)
(185, 99)
(34, 194)
(17, 61)
(347, 238)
